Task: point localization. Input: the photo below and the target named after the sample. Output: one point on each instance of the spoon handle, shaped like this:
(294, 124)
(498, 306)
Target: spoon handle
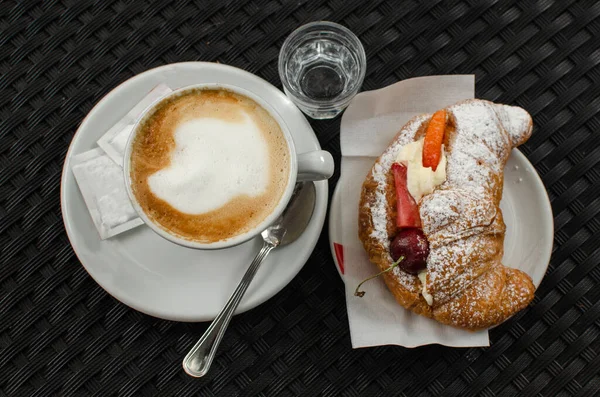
(197, 362)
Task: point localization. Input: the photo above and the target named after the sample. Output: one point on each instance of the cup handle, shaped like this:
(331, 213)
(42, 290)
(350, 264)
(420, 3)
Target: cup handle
(315, 166)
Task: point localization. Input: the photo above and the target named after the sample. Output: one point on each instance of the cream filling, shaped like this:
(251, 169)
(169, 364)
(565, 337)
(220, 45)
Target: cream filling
(423, 278)
(420, 180)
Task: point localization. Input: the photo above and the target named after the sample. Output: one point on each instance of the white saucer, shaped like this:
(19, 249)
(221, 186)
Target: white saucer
(526, 210)
(153, 275)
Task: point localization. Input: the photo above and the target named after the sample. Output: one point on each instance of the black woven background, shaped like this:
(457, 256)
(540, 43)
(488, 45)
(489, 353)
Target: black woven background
(61, 334)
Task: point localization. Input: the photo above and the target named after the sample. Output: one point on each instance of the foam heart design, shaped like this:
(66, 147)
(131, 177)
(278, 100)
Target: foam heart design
(213, 162)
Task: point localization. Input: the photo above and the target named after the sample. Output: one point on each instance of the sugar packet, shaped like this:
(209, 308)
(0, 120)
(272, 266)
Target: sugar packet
(102, 185)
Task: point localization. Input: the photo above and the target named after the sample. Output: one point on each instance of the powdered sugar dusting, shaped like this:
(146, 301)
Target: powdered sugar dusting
(478, 149)
(460, 217)
(516, 121)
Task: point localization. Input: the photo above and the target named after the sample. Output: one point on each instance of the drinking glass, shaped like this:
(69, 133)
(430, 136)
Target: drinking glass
(322, 66)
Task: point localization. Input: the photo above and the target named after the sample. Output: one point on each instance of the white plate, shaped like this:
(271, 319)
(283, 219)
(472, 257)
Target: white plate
(526, 210)
(153, 275)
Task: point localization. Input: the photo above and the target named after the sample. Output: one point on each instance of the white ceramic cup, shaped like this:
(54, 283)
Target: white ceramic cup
(310, 166)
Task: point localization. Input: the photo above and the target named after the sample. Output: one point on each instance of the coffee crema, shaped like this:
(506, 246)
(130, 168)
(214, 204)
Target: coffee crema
(208, 165)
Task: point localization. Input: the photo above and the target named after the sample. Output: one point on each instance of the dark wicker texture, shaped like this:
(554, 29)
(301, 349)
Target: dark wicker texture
(61, 334)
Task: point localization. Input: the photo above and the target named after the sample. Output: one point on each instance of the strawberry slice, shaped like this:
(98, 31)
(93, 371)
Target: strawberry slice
(408, 211)
(434, 136)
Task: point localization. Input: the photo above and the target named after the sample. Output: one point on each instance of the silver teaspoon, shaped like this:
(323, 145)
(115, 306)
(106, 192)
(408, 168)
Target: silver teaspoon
(285, 230)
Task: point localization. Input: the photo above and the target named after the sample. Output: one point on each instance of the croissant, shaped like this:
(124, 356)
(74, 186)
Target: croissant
(461, 219)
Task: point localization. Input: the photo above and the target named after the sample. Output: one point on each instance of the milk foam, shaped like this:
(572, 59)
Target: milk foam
(213, 162)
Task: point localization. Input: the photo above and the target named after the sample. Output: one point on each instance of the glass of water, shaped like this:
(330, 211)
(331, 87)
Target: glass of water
(322, 66)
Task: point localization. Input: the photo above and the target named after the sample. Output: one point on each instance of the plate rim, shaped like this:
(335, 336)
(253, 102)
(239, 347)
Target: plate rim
(319, 213)
(334, 219)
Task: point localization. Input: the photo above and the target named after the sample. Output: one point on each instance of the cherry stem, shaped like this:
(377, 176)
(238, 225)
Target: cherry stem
(360, 294)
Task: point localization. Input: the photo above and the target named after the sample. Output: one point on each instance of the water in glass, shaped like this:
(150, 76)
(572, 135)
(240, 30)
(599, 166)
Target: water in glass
(322, 66)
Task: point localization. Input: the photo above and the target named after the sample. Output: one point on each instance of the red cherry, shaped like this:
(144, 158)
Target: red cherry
(413, 246)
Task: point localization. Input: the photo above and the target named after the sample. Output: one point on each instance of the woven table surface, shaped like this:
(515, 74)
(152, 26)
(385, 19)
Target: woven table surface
(61, 334)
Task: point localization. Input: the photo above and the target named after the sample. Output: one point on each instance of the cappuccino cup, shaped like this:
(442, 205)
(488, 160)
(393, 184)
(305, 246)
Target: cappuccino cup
(210, 166)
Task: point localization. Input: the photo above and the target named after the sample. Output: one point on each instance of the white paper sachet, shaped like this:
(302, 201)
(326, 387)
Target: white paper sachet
(368, 126)
(113, 142)
(102, 185)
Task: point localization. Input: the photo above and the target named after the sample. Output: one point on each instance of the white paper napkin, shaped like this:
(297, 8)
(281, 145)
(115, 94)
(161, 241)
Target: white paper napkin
(368, 126)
